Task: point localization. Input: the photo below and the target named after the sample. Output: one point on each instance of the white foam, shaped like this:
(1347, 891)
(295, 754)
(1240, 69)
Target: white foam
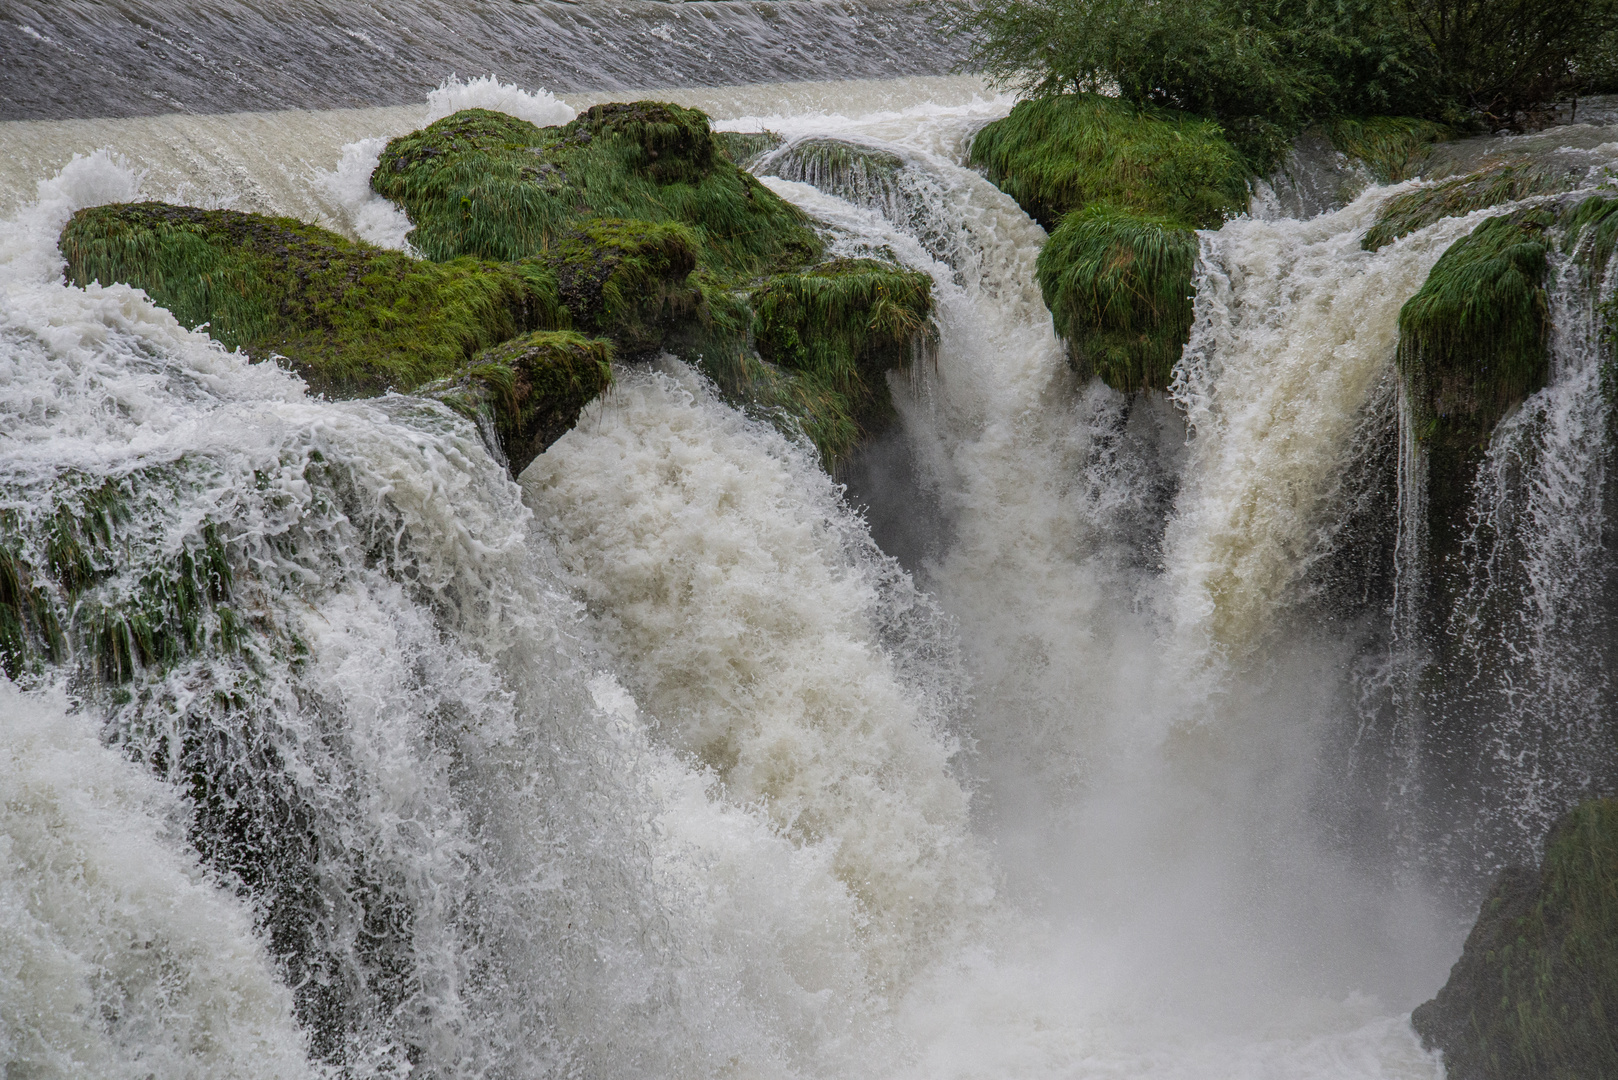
(122, 960)
(539, 107)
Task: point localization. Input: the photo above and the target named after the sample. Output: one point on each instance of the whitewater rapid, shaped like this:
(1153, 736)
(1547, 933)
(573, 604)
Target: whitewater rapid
(655, 762)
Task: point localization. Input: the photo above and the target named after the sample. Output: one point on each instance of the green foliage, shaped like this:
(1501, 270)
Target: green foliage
(531, 388)
(1263, 72)
(1266, 71)
(1473, 340)
(351, 318)
(1118, 284)
(486, 184)
(1504, 61)
(1058, 154)
(1421, 207)
(836, 330)
(1392, 147)
(1535, 992)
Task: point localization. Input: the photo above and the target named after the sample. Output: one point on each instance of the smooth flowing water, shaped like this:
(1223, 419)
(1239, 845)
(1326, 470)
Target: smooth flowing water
(1026, 755)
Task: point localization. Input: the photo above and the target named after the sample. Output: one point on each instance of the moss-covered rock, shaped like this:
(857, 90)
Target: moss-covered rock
(1473, 341)
(486, 184)
(1505, 182)
(1119, 287)
(742, 147)
(1059, 154)
(836, 330)
(1393, 148)
(1121, 190)
(1534, 995)
(628, 280)
(352, 319)
(530, 389)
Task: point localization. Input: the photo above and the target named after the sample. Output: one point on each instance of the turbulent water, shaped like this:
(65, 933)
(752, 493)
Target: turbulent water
(1043, 749)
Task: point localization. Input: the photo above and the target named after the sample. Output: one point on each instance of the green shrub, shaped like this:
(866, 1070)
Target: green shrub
(1473, 340)
(1058, 154)
(1535, 992)
(351, 318)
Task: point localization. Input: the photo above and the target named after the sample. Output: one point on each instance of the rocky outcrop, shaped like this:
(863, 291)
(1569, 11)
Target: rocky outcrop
(1534, 995)
(352, 319)
(530, 389)
(1122, 191)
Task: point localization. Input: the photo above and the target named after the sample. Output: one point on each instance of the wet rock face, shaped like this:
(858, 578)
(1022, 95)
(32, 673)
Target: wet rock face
(1534, 995)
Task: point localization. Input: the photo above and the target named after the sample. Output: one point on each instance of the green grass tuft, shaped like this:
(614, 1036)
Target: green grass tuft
(485, 184)
(1119, 286)
(835, 331)
(1473, 340)
(531, 389)
(742, 147)
(1063, 153)
(1393, 147)
(1591, 233)
(351, 318)
(1535, 992)
(1417, 209)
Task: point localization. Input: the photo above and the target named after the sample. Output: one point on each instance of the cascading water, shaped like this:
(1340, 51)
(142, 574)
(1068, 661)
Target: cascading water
(367, 759)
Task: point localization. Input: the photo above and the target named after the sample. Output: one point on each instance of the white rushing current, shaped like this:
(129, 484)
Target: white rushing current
(654, 764)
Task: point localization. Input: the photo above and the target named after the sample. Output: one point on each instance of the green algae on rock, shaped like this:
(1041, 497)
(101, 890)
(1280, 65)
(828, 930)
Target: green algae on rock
(836, 330)
(487, 184)
(1059, 154)
(1534, 995)
(1473, 340)
(1119, 288)
(350, 318)
(531, 389)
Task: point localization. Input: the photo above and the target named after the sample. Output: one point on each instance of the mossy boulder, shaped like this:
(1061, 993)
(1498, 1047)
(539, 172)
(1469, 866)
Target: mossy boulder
(1416, 209)
(486, 184)
(1473, 341)
(628, 280)
(836, 330)
(1534, 995)
(742, 147)
(657, 240)
(530, 389)
(1119, 286)
(352, 319)
(1058, 154)
(1122, 190)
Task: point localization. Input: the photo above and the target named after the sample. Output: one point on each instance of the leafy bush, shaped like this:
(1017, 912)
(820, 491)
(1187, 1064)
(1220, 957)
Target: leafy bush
(1265, 71)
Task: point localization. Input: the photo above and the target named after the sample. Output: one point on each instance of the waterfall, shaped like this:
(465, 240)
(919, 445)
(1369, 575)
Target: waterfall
(1060, 733)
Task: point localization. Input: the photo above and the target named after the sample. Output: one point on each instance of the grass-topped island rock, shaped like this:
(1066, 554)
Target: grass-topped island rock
(623, 234)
